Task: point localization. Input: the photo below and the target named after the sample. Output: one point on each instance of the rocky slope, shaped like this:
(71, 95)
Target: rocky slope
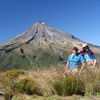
(40, 41)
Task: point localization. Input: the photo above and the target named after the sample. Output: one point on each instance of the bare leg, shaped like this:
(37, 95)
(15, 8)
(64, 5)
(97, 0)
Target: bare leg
(75, 72)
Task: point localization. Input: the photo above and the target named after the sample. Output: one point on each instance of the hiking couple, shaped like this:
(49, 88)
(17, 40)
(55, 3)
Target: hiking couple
(84, 56)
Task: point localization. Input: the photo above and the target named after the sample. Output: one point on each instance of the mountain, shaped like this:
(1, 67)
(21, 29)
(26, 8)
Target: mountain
(41, 45)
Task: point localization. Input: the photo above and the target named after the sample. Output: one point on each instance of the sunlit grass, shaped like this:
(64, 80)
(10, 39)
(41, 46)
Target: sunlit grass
(45, 78)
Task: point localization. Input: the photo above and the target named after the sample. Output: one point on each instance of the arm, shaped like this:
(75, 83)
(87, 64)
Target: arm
(66, 67)
(82, 62)
(82, 67)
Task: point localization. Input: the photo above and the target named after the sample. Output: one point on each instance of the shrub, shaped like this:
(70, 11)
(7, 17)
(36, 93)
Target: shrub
(96, 88)
(27, 86)
(58, 86)
(9, 78)
(20, 86)
(91, 79)
(80, 88)
(30, 87)
(73, 85)
(69, 86)
(8, 95)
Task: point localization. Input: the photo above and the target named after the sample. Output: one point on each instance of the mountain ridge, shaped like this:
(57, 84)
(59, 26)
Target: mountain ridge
(40, 27)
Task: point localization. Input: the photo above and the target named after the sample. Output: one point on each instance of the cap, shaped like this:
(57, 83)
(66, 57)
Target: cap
(84, 45)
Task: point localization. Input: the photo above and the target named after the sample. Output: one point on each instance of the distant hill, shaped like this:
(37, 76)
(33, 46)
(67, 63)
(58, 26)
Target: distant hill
(41, 45)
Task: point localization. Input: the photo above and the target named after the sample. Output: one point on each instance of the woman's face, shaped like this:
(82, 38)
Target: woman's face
(74, 51)
(86, 49)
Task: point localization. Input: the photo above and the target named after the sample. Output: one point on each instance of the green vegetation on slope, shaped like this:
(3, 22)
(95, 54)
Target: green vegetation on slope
(40, 58)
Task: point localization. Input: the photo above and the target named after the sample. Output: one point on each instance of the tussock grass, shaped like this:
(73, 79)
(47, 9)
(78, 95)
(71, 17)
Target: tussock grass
(8, 95)
(91, 79)
(45, 78)
(27, 86)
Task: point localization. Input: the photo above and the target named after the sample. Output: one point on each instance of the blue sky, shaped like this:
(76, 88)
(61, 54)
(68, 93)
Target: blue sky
(78, 17)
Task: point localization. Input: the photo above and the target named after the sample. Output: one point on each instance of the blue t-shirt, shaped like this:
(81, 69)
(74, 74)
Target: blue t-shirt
(74, 61)
(89, 57)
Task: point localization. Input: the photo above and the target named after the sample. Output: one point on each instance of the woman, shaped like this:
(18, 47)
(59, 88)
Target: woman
(88, 55)
(74, 61)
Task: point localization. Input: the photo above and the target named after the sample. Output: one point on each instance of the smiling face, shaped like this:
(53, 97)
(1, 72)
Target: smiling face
(86, 48)
(74, 51)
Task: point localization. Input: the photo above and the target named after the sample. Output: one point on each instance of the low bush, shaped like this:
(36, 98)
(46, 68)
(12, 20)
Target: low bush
(20, 86)
(58, 86)
(69, 86)
(91, 79)
(27, 86)
(80, 88)
(13, 74)
(8, 94)
(30, 87)
(96, 88)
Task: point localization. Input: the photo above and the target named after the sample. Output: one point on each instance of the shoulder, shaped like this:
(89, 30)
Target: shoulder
(86, 56)
(80, 55)
(92, 51)
(81, 58)
(81, 51)
(69, 55)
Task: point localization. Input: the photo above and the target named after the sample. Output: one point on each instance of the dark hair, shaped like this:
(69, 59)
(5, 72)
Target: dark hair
(85, 48)
(75, 48)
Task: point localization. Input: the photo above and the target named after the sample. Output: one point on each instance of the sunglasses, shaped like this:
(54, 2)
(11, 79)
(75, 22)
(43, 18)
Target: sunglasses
(85, 48)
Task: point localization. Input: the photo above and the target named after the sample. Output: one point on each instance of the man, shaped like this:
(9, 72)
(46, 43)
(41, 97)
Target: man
(88, 55)
(74, 61)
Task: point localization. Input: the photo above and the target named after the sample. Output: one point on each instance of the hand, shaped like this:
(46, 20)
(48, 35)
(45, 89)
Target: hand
(65, 73)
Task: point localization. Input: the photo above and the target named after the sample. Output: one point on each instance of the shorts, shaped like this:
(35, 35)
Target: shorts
(74, 71)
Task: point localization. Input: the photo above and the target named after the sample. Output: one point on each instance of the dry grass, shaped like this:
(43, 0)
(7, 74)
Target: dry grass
(46, 77)
(91, 79)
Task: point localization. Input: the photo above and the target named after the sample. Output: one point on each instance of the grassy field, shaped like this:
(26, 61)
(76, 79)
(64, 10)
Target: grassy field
(55, 97)
(39, 84)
